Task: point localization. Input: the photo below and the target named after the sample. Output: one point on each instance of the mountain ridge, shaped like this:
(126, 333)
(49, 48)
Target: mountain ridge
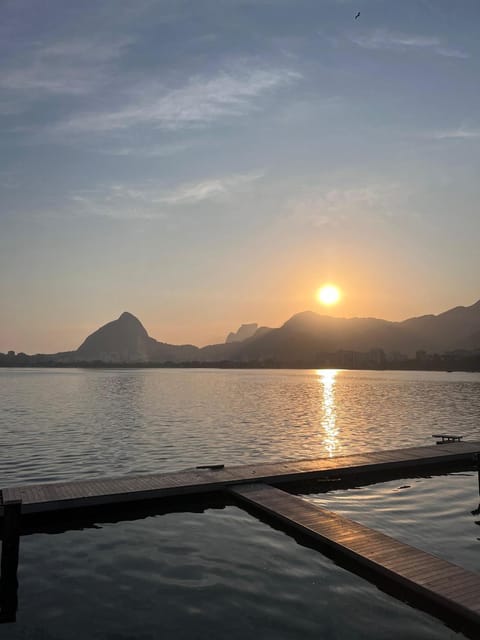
(305, 337)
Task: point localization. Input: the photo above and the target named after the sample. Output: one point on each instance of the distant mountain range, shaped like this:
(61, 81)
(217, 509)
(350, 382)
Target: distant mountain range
(305, 338)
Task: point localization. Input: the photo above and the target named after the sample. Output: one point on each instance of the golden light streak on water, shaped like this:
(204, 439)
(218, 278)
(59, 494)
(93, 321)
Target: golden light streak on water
(326, 378)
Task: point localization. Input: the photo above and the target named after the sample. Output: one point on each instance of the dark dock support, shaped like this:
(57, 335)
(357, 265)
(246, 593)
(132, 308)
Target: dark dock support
(9, 562)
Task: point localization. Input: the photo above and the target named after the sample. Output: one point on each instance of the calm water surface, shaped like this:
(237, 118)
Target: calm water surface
(222, 572)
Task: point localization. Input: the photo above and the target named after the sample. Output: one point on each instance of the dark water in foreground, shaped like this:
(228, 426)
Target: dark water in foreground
(222, 573)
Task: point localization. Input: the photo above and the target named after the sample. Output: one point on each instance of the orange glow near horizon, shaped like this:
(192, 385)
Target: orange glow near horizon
(328, 294)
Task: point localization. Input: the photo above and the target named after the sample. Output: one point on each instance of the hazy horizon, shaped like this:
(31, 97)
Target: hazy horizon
(220, 340)
(207, 164)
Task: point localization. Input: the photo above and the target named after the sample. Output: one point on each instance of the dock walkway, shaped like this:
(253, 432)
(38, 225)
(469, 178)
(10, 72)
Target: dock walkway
(452, 590)
(56, 496)
(443, 584)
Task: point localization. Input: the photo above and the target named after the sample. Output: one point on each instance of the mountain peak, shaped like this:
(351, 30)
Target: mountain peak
(122, 340)
(129, 322)
(304, 319)
(126, 315)
(245, 331)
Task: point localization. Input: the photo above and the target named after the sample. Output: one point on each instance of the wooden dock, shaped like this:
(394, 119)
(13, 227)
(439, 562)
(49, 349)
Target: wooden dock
(453, 590)
(446, 586)
(56, 496)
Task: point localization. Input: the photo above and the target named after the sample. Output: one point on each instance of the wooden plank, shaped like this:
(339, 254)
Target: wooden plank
(10, 495)
(422, 574)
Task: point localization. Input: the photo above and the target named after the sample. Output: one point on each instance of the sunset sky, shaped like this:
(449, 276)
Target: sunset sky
(207, 163)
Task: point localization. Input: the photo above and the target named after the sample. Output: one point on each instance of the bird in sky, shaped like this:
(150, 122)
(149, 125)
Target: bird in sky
(357, 16)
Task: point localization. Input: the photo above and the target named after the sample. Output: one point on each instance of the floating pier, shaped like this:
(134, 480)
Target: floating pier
(453, 592)
(444, 586)
(52, 497)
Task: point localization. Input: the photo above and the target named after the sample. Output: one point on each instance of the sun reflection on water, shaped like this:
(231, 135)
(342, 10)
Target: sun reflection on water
(326, 377)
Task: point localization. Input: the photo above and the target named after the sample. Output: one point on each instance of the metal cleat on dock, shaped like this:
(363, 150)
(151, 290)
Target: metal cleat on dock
(446, 438)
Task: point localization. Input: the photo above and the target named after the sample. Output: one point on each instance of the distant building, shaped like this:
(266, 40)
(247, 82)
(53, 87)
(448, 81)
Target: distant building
(421, 356)
(397, 356)
(377, 357)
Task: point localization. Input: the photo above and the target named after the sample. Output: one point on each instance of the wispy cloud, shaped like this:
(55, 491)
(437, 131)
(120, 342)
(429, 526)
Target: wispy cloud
(454, 134)
(335, 206)
(210, 189)
(199, 101)
(381, 39)
(451, 53)
(147, 201)
(388, 40)
(144, 150)
(72, 67)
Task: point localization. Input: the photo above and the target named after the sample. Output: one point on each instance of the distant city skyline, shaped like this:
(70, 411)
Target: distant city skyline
(212, 163)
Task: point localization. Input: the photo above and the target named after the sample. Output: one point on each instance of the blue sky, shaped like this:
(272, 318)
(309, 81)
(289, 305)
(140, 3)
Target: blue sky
(211, 162)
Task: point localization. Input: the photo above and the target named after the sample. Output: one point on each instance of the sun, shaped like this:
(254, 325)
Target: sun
(328, 294)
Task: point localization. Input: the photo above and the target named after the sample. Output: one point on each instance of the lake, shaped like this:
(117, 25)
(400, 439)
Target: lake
(222, 572)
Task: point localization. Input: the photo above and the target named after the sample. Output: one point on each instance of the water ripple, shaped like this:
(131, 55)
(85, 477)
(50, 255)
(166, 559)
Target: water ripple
(222, 573)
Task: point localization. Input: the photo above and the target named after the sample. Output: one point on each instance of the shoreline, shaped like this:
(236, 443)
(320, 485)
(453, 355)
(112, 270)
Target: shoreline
(403, 366)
